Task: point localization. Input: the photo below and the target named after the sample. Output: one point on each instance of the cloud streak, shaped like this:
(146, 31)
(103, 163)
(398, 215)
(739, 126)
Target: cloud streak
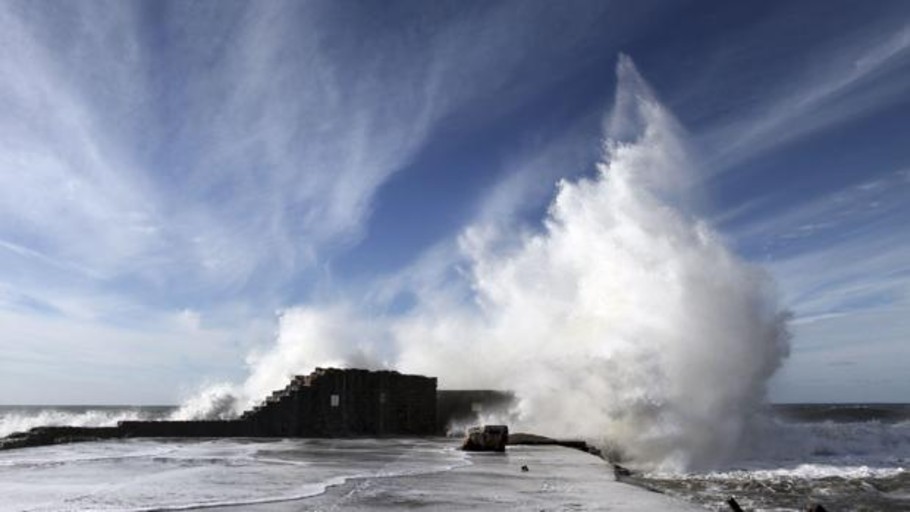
(830, 89)
(161, 157)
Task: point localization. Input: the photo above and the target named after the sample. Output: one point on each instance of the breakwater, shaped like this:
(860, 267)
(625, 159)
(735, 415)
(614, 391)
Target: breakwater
(327, 403)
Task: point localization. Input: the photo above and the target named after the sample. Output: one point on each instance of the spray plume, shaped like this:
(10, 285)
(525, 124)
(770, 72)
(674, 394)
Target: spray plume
(625, 320)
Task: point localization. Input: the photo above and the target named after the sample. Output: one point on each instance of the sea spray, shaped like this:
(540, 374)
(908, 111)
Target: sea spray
(20, 419)
(624, 320)
(306, 338)
(217, 402)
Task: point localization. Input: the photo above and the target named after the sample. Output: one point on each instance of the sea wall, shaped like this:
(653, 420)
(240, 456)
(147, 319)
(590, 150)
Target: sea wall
(184, 429)
(337, 403)
(327, 403)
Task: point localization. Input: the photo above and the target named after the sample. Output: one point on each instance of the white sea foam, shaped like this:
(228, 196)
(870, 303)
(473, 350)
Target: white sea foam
(19, 420)
(155, 475)
(216, 402)
(811, 472)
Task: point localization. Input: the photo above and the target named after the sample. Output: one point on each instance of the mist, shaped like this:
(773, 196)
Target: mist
(623, 319)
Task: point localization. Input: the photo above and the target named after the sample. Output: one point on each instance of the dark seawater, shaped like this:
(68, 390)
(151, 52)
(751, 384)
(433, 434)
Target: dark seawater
(843, 456)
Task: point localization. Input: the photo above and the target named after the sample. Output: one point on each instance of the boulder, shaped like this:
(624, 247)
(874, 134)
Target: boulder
(488, 438)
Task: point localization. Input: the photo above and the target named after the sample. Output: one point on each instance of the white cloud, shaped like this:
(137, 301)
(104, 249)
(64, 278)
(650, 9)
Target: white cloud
(866, 204)
(225, 160)
(839, 83)
(839, 252)
(64, 360)
(147, 167)
(849, 287)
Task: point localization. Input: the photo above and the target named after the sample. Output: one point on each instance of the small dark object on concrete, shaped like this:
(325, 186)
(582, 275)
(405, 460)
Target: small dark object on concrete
(734, 505)
(489, 438)
(524, 469)
(816, 507)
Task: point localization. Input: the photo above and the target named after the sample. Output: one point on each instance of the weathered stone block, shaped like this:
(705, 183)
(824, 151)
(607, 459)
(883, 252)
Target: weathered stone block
(489, 438)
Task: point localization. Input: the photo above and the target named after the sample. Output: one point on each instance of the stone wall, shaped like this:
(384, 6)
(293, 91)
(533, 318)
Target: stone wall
(365, 403)
(332, 402)
(327, 403)
(182, 429)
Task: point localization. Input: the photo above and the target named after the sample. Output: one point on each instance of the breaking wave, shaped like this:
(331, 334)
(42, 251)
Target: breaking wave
(20, 419)
(624, 318)
(856, 465)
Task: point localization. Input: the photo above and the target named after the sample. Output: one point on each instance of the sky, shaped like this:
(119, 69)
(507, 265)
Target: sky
(176, 175)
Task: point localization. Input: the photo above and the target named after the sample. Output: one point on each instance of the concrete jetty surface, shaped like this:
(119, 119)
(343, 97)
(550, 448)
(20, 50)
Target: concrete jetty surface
(557, 478)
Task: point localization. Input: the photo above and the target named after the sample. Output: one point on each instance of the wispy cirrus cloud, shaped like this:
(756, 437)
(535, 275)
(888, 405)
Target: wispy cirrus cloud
(850, 214)
(161, 157)
(215, 158)
(191, 146)
(843, 265)
(68, 195)
(845, 79)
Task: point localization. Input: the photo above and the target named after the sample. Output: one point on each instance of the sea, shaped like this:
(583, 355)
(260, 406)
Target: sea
(843, 456)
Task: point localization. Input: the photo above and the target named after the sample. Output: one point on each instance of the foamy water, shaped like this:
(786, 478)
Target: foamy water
(814, 456)
(22, 418)
(176, 475)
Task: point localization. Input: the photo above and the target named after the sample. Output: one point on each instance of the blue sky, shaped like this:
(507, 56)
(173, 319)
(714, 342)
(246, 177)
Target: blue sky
(173, 175)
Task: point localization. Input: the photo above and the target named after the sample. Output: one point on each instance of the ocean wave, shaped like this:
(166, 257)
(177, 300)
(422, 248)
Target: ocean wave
(777, 450)
(874, 441)
(23, 419)
(184, 475)
(807, 471)
(83, 454)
